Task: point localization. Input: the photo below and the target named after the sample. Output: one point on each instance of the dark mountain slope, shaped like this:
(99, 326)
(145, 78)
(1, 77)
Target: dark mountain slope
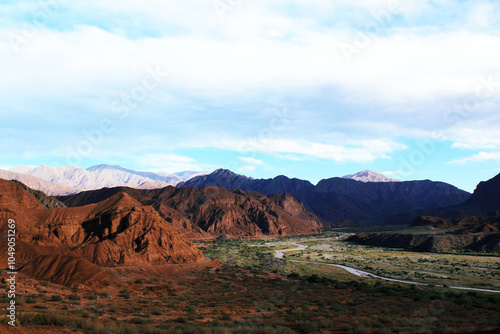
(473, 225)
(337, 199)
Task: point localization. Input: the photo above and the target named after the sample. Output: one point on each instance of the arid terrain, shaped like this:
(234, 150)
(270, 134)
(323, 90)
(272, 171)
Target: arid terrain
(212, 260)
(250, 290)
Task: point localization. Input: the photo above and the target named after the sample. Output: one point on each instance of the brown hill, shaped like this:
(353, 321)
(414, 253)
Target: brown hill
(212, 211)
(463, 225)
(434, 234)
(118, 231)
(56, 264)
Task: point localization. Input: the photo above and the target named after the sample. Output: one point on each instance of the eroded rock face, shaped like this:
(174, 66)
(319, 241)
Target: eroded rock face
(117, 231)
(434, 234)
(210, 212)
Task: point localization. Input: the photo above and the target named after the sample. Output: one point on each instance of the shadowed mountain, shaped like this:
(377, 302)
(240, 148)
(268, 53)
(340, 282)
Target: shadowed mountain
(484, 201)
(213, 211)
(340, 199)
(473, 225)
(434, 234)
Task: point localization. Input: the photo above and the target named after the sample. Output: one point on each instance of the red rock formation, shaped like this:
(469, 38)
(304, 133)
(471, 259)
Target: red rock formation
(117, 231)
(213, 211)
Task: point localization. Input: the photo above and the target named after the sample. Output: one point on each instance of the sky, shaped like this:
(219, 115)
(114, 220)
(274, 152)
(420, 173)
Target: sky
(308, 89)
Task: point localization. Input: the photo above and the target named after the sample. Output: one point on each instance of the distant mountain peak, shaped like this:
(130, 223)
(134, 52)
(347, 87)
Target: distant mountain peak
(63, 180)
(227, 172)
(369, 176)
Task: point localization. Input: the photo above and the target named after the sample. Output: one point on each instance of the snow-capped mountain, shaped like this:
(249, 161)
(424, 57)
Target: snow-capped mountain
(369, 176)
(49, 188)
(73, 179)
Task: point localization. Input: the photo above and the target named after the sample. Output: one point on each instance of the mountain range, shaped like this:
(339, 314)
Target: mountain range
(362, 198)
(211, 212)
(57, 242)
(342, 200)
(473, 225)
(65, 180)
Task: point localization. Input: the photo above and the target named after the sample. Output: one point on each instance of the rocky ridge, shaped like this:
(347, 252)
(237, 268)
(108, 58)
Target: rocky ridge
(116, 231)
(210, 212)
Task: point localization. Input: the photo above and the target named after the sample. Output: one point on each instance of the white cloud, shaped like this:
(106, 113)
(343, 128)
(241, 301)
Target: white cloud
(364, 151)
(404, 66)
(167, 163)
(387, 173)
(251, 161)
(291, 157)
(243, 169)
(262, 47)
(6, 167)
(483, 14)
(475, 135)
(479, 157)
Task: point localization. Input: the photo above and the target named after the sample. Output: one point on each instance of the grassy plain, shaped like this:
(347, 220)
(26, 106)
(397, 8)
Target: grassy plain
(251, 291)
(452, 269)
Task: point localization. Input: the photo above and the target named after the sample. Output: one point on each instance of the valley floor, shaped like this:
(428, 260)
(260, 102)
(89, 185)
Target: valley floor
(450, 269)
(248, 290)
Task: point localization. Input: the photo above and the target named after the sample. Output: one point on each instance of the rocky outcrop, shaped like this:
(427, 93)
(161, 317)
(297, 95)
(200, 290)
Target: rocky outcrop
(485, 200)
(48, 201)
(210, 212)
(463, 225)
(434, 234)
(116, 231)
(56, 264)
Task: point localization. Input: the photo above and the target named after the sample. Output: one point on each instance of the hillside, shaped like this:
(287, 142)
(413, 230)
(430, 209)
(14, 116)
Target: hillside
(432, 234)
(116, 231)
(339, 199)
(214, 211)
(472, 225)
(485, 200)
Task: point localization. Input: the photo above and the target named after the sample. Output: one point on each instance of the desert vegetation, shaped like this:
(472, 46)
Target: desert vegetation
(232, 299)
(454, 268)
(248, 290)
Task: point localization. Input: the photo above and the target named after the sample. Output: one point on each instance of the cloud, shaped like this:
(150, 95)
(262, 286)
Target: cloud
(243, 169)
(167, 163)
(479, 157)
(364, 151)
(251, 161)
(291, 157)
(6, 167)
(476, 135)
(405, 65)
(388, 173)
(89, 54)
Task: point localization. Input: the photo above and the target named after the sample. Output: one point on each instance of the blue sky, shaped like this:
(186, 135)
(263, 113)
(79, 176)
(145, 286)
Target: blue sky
(309, 89)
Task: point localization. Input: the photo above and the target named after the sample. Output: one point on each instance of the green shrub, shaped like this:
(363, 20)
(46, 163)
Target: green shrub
(74, 297)
(56, 298)
(157, 312)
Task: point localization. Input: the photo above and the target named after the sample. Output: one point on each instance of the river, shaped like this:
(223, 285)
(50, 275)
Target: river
(360, 273)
